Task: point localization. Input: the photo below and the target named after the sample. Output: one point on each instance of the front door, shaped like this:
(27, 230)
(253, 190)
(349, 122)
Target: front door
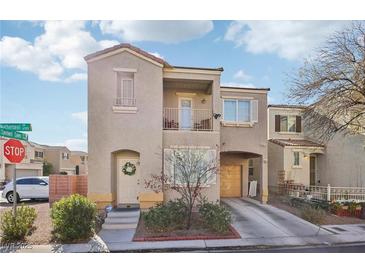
(185, 115)
(128, 181)
(312, 170)
(230, 181)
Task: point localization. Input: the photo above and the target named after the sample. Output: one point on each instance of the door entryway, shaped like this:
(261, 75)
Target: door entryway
(312, 170)
(230, 180)
(185, 113)
(128, 171)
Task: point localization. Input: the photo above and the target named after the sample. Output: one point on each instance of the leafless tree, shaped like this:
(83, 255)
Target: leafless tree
(186, 171)
(332, 84)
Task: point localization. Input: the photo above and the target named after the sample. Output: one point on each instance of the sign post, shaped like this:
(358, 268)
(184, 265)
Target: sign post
(14, 151)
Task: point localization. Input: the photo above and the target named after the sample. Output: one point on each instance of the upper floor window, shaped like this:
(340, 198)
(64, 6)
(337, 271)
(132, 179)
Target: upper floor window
(288, 123)
(82, 158)
(38, 154)
(239, 110)
(65, 156)
(125, 96)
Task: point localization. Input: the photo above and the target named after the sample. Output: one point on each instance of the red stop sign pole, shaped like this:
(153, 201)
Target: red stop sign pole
(14, 151)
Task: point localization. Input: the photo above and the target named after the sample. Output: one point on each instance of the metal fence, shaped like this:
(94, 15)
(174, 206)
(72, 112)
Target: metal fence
(187, 119)
(324, 193)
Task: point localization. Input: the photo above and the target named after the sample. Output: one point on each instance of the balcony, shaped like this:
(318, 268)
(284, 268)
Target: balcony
(125, 102)
(187, 119)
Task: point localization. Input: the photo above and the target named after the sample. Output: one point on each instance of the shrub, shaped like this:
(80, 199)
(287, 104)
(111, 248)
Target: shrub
(313, 215)
(73, 218)
(166, 217)
(16, 228)
(335, 207)
(215, 216)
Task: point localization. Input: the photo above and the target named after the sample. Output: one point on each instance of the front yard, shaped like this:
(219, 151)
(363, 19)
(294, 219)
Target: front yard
(282, 202)
(43, 224)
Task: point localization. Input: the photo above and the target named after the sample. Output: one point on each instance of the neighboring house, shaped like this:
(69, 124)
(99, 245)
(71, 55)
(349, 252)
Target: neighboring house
(79, 160)
(32, 164)
(140, 108)
(296, 156)
(60, 158)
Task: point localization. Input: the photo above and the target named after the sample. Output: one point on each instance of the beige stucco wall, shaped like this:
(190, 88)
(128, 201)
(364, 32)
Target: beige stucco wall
(53, 157)
(275, 162)
(272, 111)
(343, 163)
(249, 139)
(109, 131)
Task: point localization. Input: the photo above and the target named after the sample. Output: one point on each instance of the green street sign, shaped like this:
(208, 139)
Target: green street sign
(16, 127)
(13, 134)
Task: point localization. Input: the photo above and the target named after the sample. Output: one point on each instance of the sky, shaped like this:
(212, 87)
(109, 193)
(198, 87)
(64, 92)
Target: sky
(43, 74)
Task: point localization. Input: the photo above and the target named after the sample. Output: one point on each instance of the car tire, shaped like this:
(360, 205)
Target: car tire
(9, 197)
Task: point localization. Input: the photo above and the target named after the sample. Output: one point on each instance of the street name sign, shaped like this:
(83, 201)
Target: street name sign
(13, 134)
(16, 126)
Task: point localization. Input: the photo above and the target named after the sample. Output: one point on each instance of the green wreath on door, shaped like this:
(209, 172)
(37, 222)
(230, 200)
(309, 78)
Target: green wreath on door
(129, 169)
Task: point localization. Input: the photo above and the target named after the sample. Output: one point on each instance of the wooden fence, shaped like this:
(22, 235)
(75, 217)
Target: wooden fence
(65, 185)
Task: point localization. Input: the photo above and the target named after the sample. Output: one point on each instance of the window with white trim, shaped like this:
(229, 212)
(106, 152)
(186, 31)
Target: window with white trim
(235, 110)
(65, 156)
(296, 158)
(287, 123)
(125, 90)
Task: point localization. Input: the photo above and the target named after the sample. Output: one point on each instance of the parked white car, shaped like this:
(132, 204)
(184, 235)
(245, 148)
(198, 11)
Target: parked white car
(27, 188)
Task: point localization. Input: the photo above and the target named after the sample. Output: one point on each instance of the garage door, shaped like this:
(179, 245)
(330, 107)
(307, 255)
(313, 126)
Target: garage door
(230, 181)
(26, 172)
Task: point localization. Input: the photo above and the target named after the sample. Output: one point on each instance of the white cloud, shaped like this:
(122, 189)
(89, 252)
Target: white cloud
(157, 31)
(82, 116)
(76, 144)
(156, 54)
(242, 76)
(76, 77)
(237, 84)
(288, 39)
(61, 47)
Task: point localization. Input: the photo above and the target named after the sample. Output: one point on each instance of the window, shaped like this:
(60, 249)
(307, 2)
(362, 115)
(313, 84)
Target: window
(82, 158)
(250, 167)
(65, 156)
(288, 123)
(238, 111)
(125, 90)
(296, 161)
(202, 159)
(38, 154)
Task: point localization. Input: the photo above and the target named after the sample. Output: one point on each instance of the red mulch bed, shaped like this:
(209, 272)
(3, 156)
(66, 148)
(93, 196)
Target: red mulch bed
(196, 232)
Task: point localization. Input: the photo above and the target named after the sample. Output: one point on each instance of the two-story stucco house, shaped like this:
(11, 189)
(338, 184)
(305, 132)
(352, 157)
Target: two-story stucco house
(140, 108)
(295, 154)
(60, 158)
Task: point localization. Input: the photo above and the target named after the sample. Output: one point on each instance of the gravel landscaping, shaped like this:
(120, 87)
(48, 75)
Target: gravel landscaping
(42, 233)
(329, 219)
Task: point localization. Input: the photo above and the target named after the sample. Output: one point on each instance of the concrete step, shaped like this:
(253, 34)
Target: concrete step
(117, 220)
(119, 226)
(123, 214)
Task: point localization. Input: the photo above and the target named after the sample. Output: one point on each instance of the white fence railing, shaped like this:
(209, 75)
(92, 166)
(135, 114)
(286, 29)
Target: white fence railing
(125, 101)
(325, 193)
(187, 119)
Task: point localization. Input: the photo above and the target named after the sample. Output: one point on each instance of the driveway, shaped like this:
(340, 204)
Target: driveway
(254, 220)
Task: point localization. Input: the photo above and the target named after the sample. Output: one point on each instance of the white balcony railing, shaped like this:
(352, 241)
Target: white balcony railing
(125, 102)
(187, 119)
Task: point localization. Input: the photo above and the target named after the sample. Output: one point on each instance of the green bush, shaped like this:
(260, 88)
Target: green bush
(73, 218)
(166, 217)
(313, 215)
(15, 229)
(215, 216)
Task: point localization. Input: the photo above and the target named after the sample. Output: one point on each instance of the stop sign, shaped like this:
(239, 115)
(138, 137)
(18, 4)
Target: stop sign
(14, 151)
